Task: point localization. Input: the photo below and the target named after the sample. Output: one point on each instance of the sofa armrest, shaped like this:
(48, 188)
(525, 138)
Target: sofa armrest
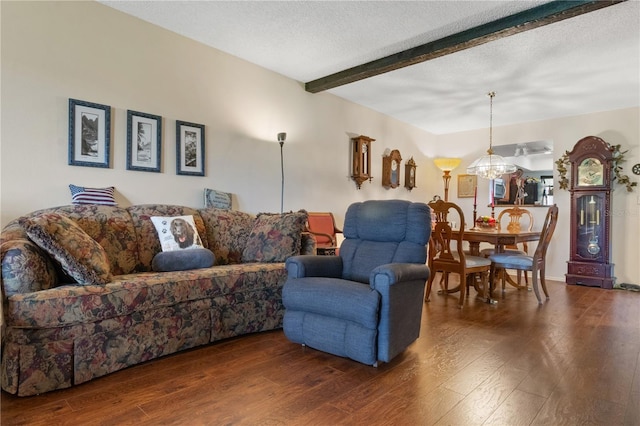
(314, 266)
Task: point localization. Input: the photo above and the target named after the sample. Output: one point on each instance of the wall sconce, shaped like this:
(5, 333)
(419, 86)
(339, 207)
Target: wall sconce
(447, 165)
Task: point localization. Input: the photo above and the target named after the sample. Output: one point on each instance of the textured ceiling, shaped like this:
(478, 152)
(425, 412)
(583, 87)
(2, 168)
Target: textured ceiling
(581, 65)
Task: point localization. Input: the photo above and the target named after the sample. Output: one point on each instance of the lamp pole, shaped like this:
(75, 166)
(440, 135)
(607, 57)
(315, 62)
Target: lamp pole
(281, 138)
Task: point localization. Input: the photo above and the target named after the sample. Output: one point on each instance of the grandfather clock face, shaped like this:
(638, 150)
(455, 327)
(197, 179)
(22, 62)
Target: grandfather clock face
(590, 172)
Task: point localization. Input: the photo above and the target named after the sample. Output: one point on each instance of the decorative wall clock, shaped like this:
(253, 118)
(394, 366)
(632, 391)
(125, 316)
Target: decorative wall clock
(361, 151)
(410, 174)
(391, 169)
(591, 178)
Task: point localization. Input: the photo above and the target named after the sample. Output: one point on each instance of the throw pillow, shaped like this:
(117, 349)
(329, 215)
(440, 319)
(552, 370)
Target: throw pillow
(217, 199)
(177, 233)
(83, 195)
(80, 256)
(182, 260)
(275, 237)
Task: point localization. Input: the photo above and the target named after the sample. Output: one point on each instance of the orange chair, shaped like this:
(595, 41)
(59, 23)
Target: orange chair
(322, 226)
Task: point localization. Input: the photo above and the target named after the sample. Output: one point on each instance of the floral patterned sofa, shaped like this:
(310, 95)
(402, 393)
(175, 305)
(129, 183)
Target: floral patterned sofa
(58, 331)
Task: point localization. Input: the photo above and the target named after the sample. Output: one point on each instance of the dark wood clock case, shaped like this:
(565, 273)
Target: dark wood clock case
(590, 264)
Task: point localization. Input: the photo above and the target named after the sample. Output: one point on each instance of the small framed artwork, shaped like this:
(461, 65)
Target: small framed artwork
(467, 186)
(89, 134)
(189, 148)
(144, 141)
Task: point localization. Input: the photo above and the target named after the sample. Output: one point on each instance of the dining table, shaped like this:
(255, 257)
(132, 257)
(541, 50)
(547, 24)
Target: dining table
(500, 238)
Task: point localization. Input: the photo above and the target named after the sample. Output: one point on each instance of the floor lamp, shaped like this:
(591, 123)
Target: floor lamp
(281, 138)
(447, 165)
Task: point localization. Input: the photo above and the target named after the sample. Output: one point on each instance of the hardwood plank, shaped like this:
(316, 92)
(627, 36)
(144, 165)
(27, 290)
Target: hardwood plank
(564, 408)
(520, 408)
(573, 360)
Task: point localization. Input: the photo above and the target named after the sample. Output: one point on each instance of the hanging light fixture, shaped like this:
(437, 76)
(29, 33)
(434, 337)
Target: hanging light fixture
(490, 166)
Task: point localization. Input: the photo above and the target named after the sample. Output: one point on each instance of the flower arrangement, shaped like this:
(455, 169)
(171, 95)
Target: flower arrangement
(486, 222)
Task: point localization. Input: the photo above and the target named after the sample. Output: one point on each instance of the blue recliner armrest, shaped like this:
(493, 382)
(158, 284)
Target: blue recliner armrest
(314, 266)
(392, 273)
(401, 288)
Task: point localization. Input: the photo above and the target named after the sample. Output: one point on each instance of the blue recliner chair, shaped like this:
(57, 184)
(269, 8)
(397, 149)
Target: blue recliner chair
(366, 303)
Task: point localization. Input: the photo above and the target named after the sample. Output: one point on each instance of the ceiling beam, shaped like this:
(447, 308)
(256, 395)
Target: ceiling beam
(536, 17)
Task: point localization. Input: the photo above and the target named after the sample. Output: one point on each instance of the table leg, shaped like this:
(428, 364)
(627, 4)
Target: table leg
(474, 248)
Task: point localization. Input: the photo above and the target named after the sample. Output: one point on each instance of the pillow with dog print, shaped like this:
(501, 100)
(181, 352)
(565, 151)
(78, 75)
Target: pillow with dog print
(177, 233)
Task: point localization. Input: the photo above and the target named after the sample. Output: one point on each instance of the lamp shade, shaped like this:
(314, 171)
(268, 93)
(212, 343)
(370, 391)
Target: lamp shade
(490, 166)
(447, 164)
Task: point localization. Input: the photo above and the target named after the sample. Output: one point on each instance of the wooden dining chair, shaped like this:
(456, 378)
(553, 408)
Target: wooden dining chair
(514, 225)
(446, 254)
(536, 263)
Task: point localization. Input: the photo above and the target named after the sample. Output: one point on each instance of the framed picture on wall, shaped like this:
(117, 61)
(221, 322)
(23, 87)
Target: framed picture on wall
(89, 134)
(189, 148)
(467, 185)
(144, 141)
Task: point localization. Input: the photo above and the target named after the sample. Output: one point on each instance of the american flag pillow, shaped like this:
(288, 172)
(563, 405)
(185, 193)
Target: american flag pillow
(83, 195)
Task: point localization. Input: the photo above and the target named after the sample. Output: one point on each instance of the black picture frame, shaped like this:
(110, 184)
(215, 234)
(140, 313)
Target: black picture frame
(89, 134)
(144, 142)
(189, 148)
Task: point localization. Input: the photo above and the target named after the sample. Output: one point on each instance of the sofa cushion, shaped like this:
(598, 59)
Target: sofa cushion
(25, 268)
(145, 231)
(176, 233)
(227, 232)
(275, 237)
(84, 195)
(183, 260)
(335, 298)
(111, 227)
(79, 255)
(246, 285)
(217, 199)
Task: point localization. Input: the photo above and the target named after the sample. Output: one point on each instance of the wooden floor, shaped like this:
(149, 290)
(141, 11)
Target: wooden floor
(572, 361)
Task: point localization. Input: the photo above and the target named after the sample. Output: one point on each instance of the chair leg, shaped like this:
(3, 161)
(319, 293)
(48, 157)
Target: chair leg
(534, 279)
(543, 281)
(463, 288)
(492, 277)
(427, 295)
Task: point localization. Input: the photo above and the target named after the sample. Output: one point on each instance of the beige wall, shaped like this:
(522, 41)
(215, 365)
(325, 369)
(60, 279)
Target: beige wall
(616, 127)
(53, 51)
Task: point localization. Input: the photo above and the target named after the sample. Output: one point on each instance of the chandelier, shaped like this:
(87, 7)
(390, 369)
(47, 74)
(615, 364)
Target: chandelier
(490, 166)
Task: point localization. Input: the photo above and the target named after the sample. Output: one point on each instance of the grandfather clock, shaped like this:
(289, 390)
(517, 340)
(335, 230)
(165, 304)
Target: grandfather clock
(591, 178)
